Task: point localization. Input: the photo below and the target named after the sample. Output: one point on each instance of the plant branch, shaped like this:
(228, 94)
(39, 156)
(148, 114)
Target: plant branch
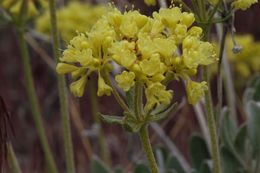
(29, 83)
(118, 98)
(144, 136)
(68, 146)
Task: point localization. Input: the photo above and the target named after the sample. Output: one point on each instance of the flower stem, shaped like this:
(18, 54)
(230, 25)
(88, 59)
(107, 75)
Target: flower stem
(118, 98)
(144, 136)
(138, 100)
(29, 83)
(219, 77)
(212, 126)
(12, 160)
(68, 146)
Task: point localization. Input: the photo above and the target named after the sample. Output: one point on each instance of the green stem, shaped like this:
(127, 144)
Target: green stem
(138, 100)
(105, 155)
(219, 78)
(12, 160)
(210, 115)
(29, 83)
(144, 136)
(64, 108)
(212, 127)
(118, 98)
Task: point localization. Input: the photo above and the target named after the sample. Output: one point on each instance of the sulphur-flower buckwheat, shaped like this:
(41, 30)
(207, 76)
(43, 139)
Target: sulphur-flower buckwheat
(146, 48)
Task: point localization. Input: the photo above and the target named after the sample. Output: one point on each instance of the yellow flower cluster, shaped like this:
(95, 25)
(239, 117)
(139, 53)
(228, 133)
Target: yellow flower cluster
(237, 4)
(147, 49)
(14, 6)
(247, 61)
(76, 17)
(243, 4)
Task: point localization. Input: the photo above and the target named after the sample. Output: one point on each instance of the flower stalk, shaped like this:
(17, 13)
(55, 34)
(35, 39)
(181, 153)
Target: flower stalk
(68, 146)
(29, 83)
(209, 104)
(212, 127)
(144, 136)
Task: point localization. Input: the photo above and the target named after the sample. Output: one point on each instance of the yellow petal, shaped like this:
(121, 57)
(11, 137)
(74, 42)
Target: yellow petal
(103, 88)
(63, 68)
(78, 87)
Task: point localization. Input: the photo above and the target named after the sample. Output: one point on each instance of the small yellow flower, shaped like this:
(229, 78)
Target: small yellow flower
(103, 88)
(196, 52)
(168, 16)
(243, 4)
(125, 80)
(157, 94)
(152, 66)
(195, 90)
(78, 87)
(63, 68)
(123, 53)
(166, 47)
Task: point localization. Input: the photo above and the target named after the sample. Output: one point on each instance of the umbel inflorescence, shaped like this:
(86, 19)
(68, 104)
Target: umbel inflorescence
(148, 50)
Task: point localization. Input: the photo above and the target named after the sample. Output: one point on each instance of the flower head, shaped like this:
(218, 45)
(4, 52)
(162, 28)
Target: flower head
(146, 48)
(243, 4)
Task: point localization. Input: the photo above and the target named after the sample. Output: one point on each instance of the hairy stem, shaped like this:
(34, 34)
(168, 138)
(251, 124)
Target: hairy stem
(12, 160)
(212, 127)
(144, 136)
(68, 146)
(138, 100)
(118, 98)
(29, 83)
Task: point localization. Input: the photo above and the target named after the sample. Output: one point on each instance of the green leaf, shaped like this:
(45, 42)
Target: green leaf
(97, 166)
(173, 163)
(205, 167)
(253, 90)
(163, 114)
(198, 151)
(254, 81)
(141, 168)
(228, 129)
(228, 161)
(163, 151)
(161, 156)
(240, 139)
(112, 119)
(253, 111)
